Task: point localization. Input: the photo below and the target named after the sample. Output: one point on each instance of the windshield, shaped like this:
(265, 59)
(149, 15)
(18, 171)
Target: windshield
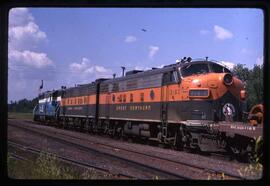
(219, 69)
(193, 69)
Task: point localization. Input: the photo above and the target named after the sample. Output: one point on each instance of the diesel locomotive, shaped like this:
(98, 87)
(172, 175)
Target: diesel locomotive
(195, 104)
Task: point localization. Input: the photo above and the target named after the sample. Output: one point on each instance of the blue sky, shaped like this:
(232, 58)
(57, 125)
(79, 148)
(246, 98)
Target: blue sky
(67, 46)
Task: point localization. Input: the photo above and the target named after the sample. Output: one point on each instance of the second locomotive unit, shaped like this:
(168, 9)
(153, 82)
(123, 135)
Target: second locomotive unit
(187, 104)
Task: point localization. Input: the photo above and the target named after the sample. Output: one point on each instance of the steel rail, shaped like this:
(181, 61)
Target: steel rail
(217, 171)
(62, 158)
(110, 155)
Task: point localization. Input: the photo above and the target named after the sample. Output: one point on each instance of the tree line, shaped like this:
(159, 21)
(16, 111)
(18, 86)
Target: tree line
(22, 105)
(252, 78)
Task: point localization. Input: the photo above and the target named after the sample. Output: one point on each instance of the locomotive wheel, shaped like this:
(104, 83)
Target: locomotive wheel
(251, 157)
(178, 143)
(57, 123)
(114, 132)
(123, 137)
(111, 133)
(87, 125)
(82, 122)
(74, 123)
(94, 128)
(65, 123)
(60, 123)
(119, 132)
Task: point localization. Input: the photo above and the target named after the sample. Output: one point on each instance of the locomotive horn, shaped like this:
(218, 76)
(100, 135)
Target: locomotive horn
(123, 68)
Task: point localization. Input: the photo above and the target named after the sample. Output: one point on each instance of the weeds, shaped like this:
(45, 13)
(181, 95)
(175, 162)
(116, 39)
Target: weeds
(46, 166)
(255, 169)
(252, 171)
(216, 176)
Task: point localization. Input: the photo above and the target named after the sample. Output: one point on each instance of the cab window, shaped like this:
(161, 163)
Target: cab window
(194, 69)
(219, 69)
(169, 77)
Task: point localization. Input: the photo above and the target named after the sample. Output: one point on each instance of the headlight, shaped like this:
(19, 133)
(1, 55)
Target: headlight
(199, 93)
(228, 79)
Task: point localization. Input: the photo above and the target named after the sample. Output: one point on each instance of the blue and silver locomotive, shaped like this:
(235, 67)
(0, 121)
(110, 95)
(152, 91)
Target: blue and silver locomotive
(48, 106)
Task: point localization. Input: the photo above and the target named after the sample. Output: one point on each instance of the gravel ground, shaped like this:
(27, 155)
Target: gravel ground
(115, 166)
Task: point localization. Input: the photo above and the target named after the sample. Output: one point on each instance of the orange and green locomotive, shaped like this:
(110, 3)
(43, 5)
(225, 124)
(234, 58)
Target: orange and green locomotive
(191, 104)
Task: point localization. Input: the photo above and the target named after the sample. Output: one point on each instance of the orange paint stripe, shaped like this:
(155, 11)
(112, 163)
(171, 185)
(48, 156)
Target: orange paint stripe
(80, 100)
(136, 95)
(174, 92)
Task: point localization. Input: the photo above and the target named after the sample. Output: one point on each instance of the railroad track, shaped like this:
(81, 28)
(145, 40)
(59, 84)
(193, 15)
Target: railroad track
(176, 169)
(17, 157)
(216, 170)
(65, 159)
(223, 156)
(149, 169)
(218, 155)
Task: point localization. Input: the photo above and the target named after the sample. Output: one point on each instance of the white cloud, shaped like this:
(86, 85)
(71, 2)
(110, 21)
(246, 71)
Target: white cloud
(84, 71)
(27, 66)
(30, 30)
(34, 59)
(152, 51)
(229, 65)
(80, 66)
(222, 33)
(24, 33)
(130, 39)
(19, 16)
(259, 60)
(141, 68)
(204, 32)
(101, 69)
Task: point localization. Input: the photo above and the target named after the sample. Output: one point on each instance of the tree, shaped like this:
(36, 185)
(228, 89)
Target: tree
(241, 72)
(253, 78)
(22, 105)
(255, 86)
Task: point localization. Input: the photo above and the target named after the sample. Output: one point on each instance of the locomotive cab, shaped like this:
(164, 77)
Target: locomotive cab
(211, 92)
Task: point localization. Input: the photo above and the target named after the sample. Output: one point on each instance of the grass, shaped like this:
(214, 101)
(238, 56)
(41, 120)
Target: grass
(20, 115)
(47, 166)
(254, 170)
